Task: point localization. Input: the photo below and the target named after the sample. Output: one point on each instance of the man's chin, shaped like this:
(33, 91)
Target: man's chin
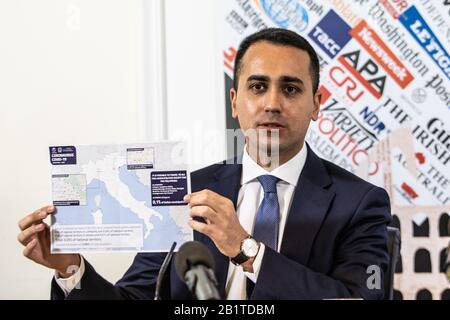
(265, 150)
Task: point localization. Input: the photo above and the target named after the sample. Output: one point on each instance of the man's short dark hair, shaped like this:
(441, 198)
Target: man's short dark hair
(280, 37)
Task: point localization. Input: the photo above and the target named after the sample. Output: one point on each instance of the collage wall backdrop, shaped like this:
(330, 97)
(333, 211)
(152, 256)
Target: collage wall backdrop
(385, 114)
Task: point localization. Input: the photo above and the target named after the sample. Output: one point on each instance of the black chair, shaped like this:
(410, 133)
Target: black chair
(394, 244)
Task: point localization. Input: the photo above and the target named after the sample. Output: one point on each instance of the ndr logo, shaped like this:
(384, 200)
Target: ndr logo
(285, 14)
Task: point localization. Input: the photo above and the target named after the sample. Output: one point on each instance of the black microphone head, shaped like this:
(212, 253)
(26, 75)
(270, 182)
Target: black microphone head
(190, 254)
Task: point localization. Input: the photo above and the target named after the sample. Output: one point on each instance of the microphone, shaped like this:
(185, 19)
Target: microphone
(194, 264)
(162, 271)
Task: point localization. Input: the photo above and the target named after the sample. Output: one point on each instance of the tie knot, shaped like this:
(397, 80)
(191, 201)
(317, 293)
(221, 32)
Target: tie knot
(269, 183)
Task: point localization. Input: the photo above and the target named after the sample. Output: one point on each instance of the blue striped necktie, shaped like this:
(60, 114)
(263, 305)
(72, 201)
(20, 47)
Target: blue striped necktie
(267, 219)
(268, 215)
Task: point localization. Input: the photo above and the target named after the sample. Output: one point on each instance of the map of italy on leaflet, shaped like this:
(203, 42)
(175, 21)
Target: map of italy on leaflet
(126, 198)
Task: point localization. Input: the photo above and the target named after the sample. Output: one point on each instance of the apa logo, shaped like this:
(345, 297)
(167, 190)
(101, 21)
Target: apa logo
(331, 34)
(366, 71)
(287, 14)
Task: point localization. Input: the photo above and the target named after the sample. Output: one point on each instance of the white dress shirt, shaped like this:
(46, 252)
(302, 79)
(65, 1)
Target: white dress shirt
(68, 284)
(250, 197)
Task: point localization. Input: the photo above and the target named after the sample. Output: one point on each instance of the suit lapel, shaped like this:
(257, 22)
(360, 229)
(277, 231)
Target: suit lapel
(227, 183)
(309, 208)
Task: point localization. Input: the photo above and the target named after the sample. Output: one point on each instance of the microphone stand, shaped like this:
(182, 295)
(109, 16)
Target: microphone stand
(162, 271)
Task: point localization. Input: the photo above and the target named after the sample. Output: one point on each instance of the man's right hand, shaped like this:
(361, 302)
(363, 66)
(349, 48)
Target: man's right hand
(35, 236)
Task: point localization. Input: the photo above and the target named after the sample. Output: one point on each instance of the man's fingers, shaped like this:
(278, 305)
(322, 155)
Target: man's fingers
(200, 227)
(205, 198)
(37, 215)
(44, 238)
(25, 236)
(203, 212)
(29, 248)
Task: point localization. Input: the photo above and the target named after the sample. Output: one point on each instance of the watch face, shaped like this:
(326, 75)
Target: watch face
(250, 247)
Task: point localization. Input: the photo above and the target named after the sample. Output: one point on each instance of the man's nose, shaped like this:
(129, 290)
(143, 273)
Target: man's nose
(273, 101)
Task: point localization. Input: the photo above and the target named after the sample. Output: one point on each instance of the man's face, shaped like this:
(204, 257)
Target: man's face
(275, 93)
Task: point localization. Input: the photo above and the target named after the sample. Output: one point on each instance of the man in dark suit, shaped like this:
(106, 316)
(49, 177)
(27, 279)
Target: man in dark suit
(280, 222)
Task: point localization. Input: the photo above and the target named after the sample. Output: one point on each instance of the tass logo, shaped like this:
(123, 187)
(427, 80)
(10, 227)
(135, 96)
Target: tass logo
(331, 34)
(287, 14)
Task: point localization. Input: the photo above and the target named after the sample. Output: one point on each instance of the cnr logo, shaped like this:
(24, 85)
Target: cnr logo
(287, 14)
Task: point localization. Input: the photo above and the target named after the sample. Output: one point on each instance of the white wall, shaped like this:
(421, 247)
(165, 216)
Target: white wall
(71, 72)
(195, 79)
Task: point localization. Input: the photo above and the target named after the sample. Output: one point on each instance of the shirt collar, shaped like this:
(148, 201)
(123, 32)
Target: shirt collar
(288, 172)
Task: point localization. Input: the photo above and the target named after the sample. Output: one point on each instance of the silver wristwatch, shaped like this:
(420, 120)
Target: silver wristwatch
(249, 249)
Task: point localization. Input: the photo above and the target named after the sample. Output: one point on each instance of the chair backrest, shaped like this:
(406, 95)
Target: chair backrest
(394, 244)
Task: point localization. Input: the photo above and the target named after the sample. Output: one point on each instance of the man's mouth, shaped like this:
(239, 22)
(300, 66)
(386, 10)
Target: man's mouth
(270, 125)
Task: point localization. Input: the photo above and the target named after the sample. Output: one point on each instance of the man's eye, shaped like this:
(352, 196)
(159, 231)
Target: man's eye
(257, 87)
(291, 90)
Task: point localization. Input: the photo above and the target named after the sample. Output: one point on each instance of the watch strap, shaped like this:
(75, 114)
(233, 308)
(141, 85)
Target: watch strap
(240, 258)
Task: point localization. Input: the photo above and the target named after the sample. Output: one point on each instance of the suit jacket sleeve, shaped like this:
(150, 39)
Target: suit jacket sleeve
(361, 244)
(139, 282)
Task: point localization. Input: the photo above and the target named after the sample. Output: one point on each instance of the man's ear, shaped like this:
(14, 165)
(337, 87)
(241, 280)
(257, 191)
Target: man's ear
(233, 98)
(316, 100)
